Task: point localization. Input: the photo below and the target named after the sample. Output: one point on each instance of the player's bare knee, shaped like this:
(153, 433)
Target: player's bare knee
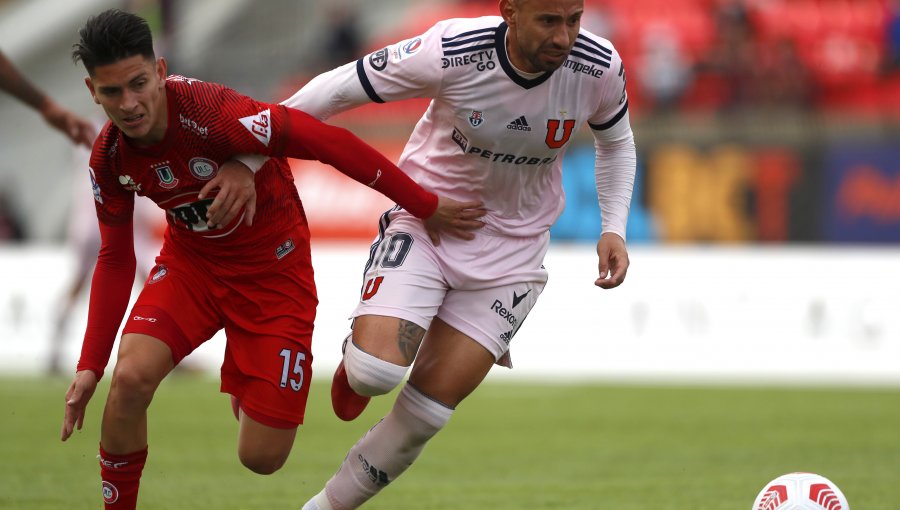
(262, 463)
(370, 376)
(131, 389)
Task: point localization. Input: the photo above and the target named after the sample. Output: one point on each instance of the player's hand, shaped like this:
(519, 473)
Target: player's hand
(79, 130)
(457, 219)
(613, 261)
(80, 392)
(237, 189)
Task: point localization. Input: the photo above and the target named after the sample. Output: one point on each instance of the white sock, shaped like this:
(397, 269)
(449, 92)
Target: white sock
(370, 376)
(387, 449)
(318, 502)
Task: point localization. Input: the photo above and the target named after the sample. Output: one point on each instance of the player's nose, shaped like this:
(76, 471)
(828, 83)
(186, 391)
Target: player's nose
(563, 37)
(129, 102)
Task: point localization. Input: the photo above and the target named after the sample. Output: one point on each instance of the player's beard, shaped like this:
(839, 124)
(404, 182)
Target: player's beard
(548, 66)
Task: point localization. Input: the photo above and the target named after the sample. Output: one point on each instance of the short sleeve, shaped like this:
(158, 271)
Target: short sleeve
(612, 96)
(410, 68)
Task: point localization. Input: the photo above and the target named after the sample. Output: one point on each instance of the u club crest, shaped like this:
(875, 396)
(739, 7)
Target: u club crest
(476, 118)
(167, 179)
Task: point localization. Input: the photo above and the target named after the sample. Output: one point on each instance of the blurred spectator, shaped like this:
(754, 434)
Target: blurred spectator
(10, 225)
(71, 125)
(663, 72)
(892, 44)
(780, 77)
(732, 14)
(343, 41)
(732, 56)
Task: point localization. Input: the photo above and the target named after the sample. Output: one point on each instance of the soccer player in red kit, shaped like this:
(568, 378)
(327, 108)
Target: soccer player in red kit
(166, 140)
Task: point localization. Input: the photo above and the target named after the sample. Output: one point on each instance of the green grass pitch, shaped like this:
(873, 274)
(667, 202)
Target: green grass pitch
(509, 446)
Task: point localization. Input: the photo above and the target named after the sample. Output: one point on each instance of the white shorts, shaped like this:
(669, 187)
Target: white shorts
(484, 287)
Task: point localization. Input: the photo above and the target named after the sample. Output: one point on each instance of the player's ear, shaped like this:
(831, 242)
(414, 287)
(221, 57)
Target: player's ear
(162, 68)
(90, 86)
(508, 11)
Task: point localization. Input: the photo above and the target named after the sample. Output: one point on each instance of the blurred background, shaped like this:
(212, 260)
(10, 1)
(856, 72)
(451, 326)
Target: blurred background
(764, 227)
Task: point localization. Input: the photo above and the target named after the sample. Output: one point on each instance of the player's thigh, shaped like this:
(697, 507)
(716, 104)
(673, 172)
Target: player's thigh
(268, 355)
(492, 316)
(450, 364)
(175, 306)
(390, 339)
(403, 288)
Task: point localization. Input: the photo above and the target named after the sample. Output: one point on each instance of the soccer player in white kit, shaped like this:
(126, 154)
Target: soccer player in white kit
(507, 95)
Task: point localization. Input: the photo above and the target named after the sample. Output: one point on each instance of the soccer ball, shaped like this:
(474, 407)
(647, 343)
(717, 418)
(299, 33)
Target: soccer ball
(800, 491)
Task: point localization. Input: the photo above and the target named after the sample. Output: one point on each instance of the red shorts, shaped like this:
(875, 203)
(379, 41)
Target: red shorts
(268, 319)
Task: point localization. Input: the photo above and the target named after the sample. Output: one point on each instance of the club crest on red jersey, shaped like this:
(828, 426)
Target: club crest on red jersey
(202, 168)
(167, 179)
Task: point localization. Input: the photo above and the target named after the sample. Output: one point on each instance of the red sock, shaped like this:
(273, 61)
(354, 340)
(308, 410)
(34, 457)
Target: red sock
(121, 475)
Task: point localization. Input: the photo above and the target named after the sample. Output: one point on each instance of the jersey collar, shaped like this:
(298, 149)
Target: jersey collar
(500, 45)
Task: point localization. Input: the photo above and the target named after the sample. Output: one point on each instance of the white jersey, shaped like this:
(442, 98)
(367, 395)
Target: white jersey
(492, 133)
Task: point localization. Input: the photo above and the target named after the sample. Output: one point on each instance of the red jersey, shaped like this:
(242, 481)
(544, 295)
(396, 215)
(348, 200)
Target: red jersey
(207, 125)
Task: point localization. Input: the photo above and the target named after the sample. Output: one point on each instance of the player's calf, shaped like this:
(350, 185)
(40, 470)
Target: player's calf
(121, 478)
(264, 443)
(385, 452)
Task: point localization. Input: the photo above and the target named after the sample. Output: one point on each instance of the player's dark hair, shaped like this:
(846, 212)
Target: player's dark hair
(111, 36)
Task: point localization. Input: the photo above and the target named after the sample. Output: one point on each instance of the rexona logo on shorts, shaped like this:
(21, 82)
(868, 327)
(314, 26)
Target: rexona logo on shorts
(500, 310)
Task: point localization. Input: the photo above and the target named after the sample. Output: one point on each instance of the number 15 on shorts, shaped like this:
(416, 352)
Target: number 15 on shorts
(294, 375)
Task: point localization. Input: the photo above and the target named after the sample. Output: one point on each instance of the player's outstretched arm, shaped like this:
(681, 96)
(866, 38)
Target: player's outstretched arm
(310, 138)
(613, 261)
(456, 219)
(77, 397)
(79, 130)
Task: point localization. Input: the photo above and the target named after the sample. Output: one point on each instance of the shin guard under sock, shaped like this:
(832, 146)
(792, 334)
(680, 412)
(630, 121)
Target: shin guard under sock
(121, 475)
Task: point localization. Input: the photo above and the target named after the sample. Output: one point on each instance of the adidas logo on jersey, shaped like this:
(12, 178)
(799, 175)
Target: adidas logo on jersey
(519, 124)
